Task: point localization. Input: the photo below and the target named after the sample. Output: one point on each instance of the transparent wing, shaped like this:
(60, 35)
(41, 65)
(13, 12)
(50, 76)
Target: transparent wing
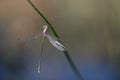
(36, 36)
(27, 41)
(56, 43)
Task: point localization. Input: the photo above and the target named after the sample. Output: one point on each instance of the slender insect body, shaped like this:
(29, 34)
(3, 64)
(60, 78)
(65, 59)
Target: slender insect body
(53, 40)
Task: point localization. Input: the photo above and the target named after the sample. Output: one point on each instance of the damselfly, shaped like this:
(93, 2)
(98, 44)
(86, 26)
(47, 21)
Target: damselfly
(53, 40)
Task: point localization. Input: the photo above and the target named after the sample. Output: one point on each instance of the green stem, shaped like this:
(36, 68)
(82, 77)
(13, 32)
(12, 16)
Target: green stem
(56, 35)
(78, 74)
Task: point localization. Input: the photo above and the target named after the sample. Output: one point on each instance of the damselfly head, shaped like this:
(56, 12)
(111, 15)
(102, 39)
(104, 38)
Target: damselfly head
(45, 29)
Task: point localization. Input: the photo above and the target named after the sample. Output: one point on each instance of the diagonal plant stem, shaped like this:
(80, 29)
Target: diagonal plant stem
(44, 18)
(68, 57)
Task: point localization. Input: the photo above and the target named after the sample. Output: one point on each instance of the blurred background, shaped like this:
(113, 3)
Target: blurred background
(89, 29)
